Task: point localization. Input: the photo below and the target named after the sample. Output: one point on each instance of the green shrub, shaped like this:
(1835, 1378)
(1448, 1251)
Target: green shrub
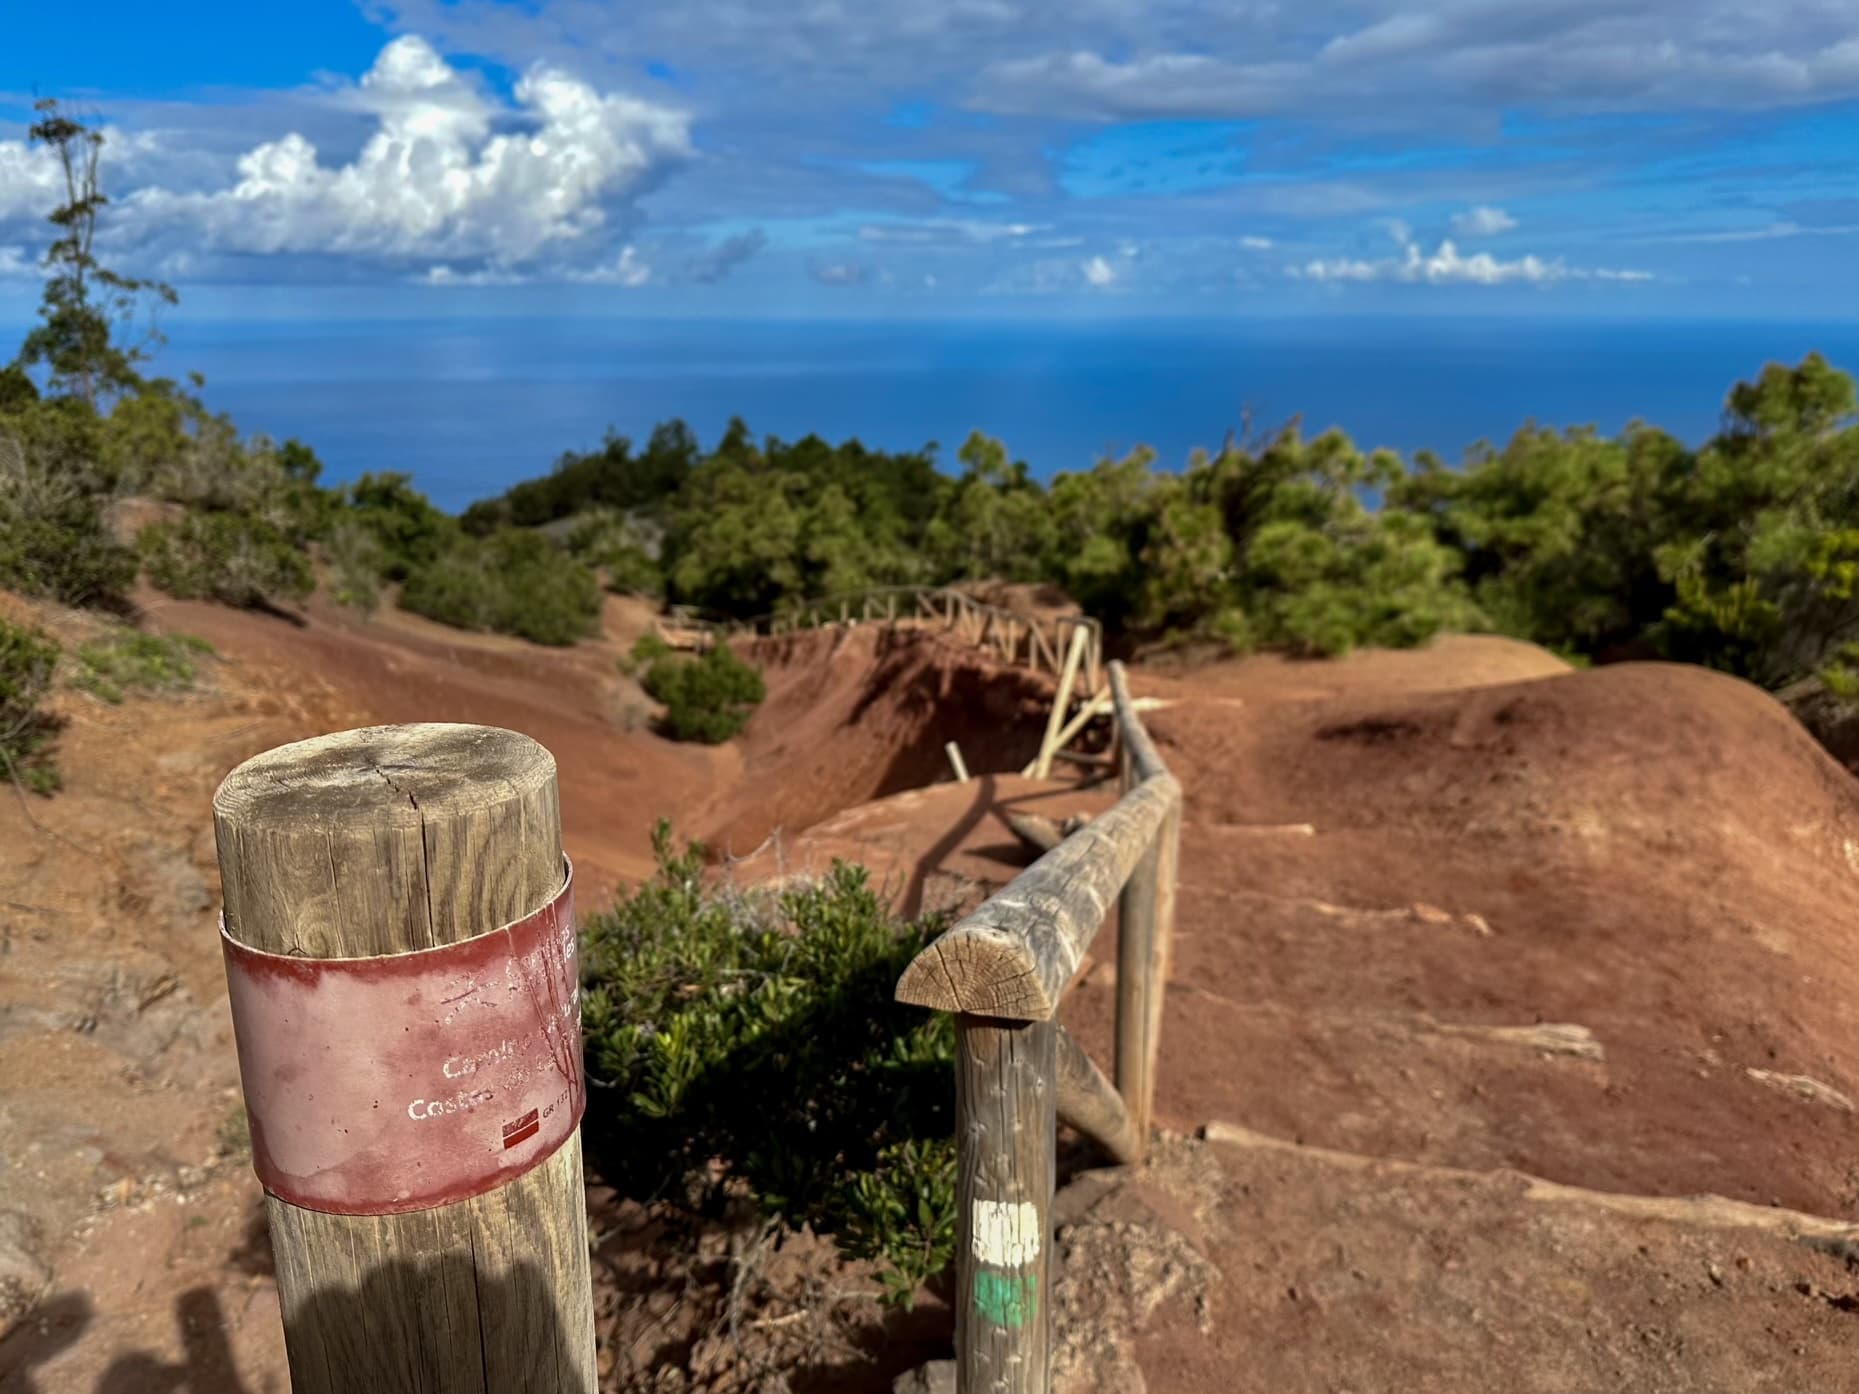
(109, 669)
(706, 699)
(411, 534)
(236, 558)
(27, 661)
(357, 562)
(513, 582)
(750, 1041)
(647, 649)
(624, 548)
(53, 539)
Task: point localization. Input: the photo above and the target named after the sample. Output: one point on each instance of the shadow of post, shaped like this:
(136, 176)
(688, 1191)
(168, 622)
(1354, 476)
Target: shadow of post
(465, 1331)
(206, 1362)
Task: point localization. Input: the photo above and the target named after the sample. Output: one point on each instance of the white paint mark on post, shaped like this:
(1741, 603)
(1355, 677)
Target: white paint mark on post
(1006, 1233)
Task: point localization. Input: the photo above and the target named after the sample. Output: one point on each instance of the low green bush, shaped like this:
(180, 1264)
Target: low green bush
(647, 649)
(111, 668)
(28, 659)
(748, 1042)
(708, 699)
(236, 558)
(513, 582)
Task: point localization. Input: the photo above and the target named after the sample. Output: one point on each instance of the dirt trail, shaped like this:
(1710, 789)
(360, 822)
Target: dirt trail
(1446, 917)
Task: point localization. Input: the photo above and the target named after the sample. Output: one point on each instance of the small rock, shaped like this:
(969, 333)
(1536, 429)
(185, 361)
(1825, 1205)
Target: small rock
(937, 1377)
(1430, 914)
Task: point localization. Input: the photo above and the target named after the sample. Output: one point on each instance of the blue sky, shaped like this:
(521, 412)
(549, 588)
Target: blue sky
(978, 158)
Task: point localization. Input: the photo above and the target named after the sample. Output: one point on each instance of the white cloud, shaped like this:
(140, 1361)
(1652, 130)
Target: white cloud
(1767, 233)
(15, 262)
(438, 178)
(840, 273)
(481, 276)
(1483, 221)
(1257, 244)
(1449, 266)
(1560, 55)
(1099, 273)
(627, 269)
(948, 230)
(1083, 83)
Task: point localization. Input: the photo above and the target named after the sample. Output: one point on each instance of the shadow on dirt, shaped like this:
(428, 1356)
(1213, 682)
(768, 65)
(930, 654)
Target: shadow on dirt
(206, 1365)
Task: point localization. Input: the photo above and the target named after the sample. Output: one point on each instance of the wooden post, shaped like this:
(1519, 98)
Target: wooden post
(1005, 1095)
(960, 766)
(1088, 1102)
(1138, 980)
(1060, 703)
(382, 842)
(1097, 706)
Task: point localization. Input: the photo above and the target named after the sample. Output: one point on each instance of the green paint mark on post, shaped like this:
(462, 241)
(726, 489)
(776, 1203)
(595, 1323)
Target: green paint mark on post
(1007, 1299)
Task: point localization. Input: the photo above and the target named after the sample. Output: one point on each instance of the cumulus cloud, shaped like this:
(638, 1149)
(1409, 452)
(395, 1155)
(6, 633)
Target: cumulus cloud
(1099, 273)
(713, 264)
(1449, 266)
(15, 262)
(1483, 221)
(439, 177)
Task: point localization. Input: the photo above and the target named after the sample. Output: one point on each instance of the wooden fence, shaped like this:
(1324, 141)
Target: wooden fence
(1013, 636)
(1003, 971)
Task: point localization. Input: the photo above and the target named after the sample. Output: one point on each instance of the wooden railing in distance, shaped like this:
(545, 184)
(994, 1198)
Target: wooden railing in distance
(1003, 971)
(1040, 643)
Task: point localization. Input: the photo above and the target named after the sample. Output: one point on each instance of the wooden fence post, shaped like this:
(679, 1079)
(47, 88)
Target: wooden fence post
(1139, 983)
(1005, 1084)
(1061, 703)
(376, 844)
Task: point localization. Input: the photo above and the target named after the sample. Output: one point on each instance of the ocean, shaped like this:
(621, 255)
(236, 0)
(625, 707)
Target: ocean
(468, 406)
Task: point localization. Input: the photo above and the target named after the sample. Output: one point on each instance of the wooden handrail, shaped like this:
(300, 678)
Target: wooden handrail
(1003, 971)
(1015, 955)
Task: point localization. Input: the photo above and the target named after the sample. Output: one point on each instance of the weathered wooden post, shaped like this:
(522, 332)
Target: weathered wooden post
(1140, 975)
(1005, 1073)
(401, 956)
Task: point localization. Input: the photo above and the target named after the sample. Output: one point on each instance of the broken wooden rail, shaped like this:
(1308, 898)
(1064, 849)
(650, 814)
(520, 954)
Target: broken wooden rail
(1003, 971)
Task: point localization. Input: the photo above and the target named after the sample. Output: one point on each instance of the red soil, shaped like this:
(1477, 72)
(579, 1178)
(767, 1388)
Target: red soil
(858, 714)
(1394, 870)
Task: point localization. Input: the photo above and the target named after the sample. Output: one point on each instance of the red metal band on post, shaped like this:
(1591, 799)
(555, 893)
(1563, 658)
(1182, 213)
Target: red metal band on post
(379, 1085)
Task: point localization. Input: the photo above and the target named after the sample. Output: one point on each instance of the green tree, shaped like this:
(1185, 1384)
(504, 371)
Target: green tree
(85, 303)
(995, 522)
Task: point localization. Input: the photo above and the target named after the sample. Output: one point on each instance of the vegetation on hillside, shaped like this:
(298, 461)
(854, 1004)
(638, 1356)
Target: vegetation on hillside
(746, 1044)
(126, 661)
